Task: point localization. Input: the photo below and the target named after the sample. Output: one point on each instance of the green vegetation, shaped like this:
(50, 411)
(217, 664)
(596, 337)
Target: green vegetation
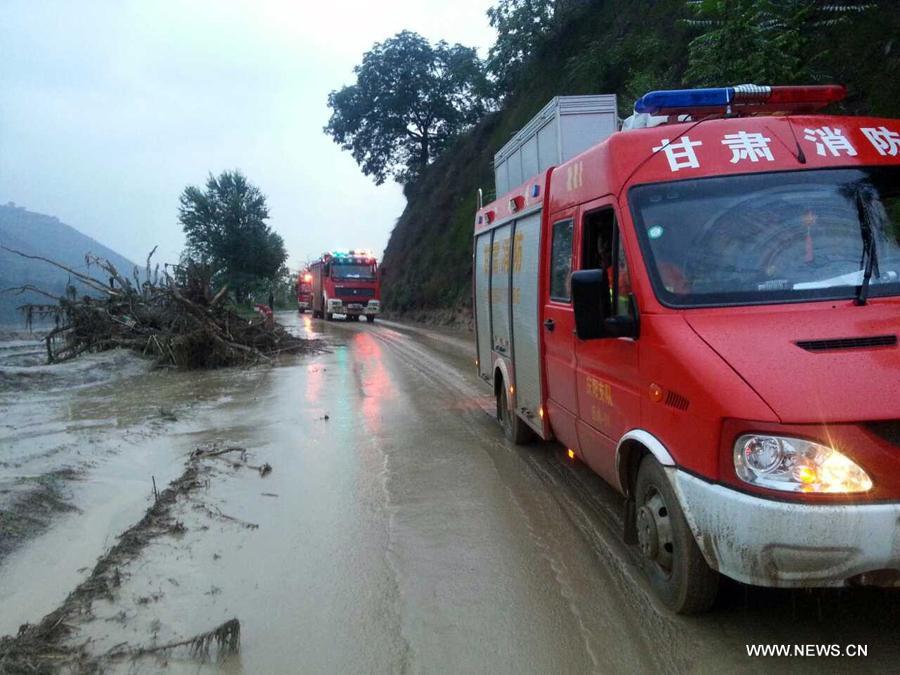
(410, 99)
(628, 47)
(228, 241)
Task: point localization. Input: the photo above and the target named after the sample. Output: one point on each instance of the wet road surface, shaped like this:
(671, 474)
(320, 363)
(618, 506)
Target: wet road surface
(399, 532)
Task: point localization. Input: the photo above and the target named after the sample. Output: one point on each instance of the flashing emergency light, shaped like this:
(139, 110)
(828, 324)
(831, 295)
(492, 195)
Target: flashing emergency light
(744, 98)
(358, 256)
(307, 277)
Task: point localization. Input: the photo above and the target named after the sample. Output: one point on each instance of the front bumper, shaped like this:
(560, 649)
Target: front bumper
(785, 544)
(350, 307)
(302, 305)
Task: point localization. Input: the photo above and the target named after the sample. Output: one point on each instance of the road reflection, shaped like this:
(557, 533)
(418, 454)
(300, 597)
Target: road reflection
(376, 385)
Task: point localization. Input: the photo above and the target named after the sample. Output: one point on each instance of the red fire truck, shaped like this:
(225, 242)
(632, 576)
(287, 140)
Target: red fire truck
(346, 283)
(304, 290)
(703, 307)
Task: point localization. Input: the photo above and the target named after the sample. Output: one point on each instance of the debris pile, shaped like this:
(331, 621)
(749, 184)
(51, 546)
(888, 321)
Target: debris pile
(177, 322)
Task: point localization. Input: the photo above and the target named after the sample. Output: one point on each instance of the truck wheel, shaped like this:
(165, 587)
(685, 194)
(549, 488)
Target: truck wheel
(329, 316)
(370, 318)
(671, 558)
(302, 311)
(513, 427)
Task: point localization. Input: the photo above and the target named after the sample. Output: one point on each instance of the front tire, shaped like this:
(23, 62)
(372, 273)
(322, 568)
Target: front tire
(671, 559)
(513, 427)
(370, 318)
(329, 316)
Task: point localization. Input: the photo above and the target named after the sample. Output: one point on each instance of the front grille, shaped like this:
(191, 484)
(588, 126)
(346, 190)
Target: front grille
(889, 430)
(847, 343)
(344, 292)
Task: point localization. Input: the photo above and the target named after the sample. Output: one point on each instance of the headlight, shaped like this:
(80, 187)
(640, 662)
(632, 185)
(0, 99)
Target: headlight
(795, 465)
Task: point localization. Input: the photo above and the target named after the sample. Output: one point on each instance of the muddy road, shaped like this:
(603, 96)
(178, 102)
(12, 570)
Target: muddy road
(397, 532)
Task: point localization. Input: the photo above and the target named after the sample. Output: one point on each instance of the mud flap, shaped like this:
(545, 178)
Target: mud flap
(630, 530)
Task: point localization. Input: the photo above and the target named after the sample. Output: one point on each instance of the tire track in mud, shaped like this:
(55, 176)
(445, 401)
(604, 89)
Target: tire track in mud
(597, 521)
(674, 644)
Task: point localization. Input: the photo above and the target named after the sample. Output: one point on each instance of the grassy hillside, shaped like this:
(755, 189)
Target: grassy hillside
(613, 46)
(37, 234)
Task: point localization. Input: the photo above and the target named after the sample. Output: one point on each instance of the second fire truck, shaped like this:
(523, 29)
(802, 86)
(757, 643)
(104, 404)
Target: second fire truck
(346, 283)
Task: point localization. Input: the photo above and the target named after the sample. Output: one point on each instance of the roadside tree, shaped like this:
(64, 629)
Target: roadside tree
(226, 231)
(410, 99)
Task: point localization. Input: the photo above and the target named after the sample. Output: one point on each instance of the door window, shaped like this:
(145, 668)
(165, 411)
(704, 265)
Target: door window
(561, 261)
(603, 249)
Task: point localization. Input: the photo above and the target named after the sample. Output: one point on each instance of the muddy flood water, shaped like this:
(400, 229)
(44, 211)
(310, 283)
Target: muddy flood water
(397, 531)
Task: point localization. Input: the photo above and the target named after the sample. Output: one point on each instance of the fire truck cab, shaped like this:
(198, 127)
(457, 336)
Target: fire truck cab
(703, 307)
(346, 283)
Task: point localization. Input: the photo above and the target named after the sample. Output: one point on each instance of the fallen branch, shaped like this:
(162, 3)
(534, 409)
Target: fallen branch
(87, 280)
(227, 637)
(175, 324)
(201, 452)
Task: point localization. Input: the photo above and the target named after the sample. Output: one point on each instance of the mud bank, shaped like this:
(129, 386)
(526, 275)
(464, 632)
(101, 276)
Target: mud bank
(31, 503)
(459, 318)
(50, 645)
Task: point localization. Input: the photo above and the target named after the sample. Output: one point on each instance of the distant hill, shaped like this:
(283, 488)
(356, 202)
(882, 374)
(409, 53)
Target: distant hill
(38, 234)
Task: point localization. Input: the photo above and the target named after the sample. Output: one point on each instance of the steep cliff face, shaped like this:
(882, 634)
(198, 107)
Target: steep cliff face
(625, 47)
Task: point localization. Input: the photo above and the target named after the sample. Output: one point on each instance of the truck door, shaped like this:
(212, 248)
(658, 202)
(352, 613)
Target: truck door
(558, 328)
(607, 379)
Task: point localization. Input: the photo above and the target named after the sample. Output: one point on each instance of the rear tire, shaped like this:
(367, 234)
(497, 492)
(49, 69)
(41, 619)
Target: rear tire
(513, 427)
(370, 318)
(671, 558)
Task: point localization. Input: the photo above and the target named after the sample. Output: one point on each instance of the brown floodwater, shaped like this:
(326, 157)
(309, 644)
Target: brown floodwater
(397, 532)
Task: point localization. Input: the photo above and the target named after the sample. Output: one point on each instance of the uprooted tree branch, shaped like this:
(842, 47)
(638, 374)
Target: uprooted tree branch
(177, 322)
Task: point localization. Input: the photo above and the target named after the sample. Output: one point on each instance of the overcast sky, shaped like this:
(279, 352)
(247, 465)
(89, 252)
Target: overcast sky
(109, 108)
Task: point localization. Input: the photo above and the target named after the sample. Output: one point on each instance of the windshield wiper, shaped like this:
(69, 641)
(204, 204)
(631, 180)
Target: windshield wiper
(870, 249)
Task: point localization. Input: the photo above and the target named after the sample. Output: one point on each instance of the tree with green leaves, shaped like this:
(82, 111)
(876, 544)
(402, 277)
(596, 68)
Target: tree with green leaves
(522, 26)
(761, 41)
(226, 231)
(410, 99)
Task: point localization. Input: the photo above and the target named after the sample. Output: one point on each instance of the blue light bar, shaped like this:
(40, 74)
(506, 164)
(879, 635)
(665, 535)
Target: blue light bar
(662, 102)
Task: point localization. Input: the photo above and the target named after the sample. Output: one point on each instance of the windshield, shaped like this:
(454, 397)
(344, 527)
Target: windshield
(352, 271)
(778, 237)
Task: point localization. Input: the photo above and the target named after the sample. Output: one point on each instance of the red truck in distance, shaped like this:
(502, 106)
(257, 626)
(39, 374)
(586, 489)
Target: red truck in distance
(703, 307)
(304, 291)
(346, 283)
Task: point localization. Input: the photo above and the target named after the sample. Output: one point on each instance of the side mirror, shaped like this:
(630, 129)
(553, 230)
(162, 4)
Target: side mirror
(590, 299)
(593, 308)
